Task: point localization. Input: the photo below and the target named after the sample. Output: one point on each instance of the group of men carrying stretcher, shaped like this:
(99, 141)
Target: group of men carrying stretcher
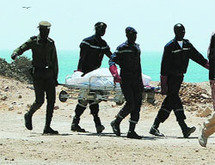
(174, 65)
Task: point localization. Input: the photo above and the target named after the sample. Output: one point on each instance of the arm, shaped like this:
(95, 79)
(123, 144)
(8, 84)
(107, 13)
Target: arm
(81, 58)
(55, 64)
(198, 57)
(83, 52)
(21, 49)
(113, 67)
(165, 62)
(164, 71)
(108, 53)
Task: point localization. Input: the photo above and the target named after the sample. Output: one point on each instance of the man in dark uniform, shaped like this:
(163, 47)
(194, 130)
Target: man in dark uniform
(173, 67)
(44, 72)
(127, 56)
(91, 54)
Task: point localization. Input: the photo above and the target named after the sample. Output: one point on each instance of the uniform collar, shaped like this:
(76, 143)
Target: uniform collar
(39, 40)
(126, 42)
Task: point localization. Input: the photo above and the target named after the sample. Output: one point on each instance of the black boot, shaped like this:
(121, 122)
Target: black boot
(133, 135)
(79, 110)
(188, 131)
(99, 126)
(49, 130)
(28, 116)
(28, 121)
(185, 129)
(49, 114)
(154, 129)
(115, 125)
(75, 127)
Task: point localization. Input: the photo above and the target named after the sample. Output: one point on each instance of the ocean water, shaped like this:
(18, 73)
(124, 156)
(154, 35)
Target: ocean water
(150, 61)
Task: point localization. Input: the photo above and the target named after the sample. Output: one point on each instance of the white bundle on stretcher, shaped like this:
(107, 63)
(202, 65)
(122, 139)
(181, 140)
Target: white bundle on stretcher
(98, 78)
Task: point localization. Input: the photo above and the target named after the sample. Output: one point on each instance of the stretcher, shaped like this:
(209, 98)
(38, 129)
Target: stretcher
(98, 86)
(95, 86)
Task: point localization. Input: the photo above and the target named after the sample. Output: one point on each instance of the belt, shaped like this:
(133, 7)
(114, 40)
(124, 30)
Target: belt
(41, 68)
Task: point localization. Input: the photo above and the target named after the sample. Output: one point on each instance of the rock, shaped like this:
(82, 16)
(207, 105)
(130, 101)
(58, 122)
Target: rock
(56, 108)
(204, 113)
(6, 88)
(11, 108)
(205, 96)
(4, 97)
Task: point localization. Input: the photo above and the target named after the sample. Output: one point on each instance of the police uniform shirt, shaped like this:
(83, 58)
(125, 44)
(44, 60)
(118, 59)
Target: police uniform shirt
(128, 58)
(175, 59)
(92, 52)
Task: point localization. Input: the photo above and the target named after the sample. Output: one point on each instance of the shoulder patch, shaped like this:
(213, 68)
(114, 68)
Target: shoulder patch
(33, 37)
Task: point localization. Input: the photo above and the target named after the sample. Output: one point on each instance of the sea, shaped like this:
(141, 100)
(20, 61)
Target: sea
(150, 62)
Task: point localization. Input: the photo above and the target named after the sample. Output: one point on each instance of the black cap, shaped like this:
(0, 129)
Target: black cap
(100, 25)
(178, 27)
(130, 30)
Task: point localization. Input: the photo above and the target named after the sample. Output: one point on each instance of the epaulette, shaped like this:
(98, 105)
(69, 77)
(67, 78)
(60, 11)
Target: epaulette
(33, 37)
(186, 40)
(170, 42)
(121, 46)
(50, 40)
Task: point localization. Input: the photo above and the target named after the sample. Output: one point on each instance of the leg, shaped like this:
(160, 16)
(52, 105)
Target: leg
(180, 117)
(207, 130)
(39, 94)
(115, 124)
(209, 125)
(166, 108)
(162, 115)
(135, 113)
(50, 96)
(79, 110)
(94, 108)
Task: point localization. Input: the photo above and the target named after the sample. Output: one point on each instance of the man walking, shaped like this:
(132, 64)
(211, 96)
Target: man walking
(44, 72)
(127, 56)
(92, 51)
(173, 67)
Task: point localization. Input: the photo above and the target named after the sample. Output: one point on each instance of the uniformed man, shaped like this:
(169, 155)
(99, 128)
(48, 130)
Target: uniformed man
(127, 56)
(44, 72)
(92, 51)
(173, 67)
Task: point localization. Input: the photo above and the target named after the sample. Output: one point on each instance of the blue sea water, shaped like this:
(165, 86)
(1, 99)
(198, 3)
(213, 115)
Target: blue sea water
(150, 61)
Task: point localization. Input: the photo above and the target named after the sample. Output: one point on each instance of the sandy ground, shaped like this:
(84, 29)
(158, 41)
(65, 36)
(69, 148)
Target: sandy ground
(21, 146)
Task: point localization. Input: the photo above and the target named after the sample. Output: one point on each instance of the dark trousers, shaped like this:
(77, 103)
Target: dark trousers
(44, 83)
(80, 108)
(132, 91)
(172, 100)
(94, 107)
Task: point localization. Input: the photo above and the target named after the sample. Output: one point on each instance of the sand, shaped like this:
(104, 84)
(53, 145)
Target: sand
(21, 146)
